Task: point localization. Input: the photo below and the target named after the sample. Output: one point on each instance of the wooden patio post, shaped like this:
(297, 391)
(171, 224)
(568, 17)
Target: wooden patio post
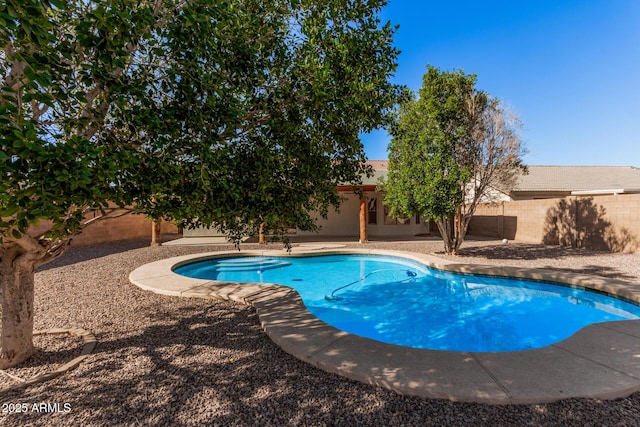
(363, 219)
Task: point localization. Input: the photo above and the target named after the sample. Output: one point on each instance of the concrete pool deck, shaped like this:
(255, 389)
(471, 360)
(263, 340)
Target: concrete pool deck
(600, 361)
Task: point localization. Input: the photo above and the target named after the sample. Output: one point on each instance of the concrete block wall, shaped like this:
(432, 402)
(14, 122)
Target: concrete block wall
(600, 222)
(128, 226)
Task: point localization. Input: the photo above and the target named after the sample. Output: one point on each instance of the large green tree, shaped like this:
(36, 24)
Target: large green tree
(234, 114)
(452, 147)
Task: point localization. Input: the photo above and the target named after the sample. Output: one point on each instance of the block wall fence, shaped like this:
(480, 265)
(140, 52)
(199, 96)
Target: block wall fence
(129, 226)
(600, 223)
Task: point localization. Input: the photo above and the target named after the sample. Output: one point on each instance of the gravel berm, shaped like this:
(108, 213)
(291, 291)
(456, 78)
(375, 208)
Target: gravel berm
(178, 361)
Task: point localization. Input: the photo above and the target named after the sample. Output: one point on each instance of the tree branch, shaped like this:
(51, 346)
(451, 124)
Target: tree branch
(88, 112)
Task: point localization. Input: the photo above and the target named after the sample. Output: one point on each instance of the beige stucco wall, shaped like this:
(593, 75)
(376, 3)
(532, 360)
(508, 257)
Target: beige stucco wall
(598, 222)
(346, 222)
(382, 229)
(202, 232)
(342, 223)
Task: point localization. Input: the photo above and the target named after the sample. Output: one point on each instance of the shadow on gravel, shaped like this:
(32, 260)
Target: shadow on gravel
(597, 270)
(84, 253)
(215, 366)
(523, 251)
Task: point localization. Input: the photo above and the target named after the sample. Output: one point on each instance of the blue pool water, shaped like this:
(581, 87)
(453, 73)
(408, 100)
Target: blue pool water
(402, 302)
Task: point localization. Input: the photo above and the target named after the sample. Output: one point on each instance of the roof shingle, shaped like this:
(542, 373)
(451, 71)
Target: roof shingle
(579, 178)
(559, 178)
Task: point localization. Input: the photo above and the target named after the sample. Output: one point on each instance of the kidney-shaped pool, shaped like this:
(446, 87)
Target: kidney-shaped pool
(398, 301)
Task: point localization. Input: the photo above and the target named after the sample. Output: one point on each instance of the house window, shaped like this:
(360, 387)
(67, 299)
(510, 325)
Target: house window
(372, 211)
(393, 221)
(417, 218)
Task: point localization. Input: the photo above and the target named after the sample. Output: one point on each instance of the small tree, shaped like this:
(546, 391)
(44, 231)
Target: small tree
(235, 113)
(62, 67)
(451, 148)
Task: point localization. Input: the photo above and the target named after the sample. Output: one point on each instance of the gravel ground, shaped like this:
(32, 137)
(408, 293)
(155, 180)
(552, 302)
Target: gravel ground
(52, 351)
(177, 361)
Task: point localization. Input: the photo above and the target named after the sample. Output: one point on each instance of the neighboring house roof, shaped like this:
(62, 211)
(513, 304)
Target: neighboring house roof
(558, 178)
(579, 178)
(379, 164)
(380, 168)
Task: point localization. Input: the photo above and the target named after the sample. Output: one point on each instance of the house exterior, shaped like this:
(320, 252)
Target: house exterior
(367, 218)
(364, 218)
(357, 218)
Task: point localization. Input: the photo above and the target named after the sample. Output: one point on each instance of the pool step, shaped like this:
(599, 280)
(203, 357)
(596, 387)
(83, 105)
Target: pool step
(249, 264)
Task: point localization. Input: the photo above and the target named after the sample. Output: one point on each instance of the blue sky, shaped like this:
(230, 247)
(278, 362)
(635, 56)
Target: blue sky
(569, 68)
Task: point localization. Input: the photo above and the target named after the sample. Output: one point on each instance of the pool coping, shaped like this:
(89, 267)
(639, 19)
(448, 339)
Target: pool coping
(599, 361)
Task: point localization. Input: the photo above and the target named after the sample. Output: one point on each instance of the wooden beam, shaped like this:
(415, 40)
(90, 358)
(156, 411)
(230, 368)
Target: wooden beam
(352, 188)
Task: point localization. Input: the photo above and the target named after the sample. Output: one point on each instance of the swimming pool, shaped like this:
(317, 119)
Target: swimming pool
(399, 301)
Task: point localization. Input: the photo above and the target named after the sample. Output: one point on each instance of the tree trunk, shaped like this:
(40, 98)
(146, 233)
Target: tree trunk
(444, 226)
(156, 235)
(453, 231)
(16, 292)
(261, 239)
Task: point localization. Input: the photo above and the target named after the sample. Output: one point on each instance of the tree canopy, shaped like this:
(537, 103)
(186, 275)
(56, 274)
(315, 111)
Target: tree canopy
(451, 147)
(234, 113)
